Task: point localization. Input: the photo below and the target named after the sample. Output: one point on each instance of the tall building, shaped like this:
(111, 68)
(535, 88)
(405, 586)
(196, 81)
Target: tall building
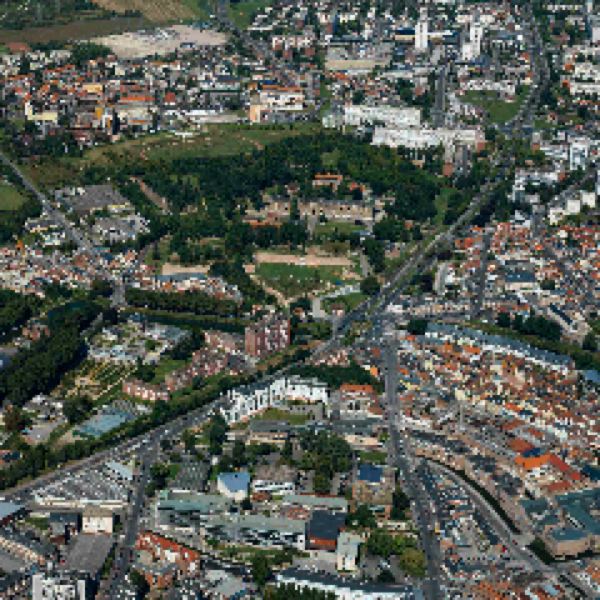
(476, 36)
(422, 32)
(271, 334)
(472, 48)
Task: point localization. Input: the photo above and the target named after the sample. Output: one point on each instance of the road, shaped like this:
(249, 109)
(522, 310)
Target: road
(125, 549)
(400, 454)
(480, 278)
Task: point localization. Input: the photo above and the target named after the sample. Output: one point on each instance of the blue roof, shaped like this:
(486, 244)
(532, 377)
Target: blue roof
(568, 534)
(8, 509)
(592, 376)
(592, 472)
(370, 473)
(237, 481)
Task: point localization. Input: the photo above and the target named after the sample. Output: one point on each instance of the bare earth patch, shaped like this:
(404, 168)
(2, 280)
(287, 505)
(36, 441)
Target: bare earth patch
(141, 44)
(309, 260)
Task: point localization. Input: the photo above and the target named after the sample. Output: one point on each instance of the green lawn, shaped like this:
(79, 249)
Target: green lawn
(325, 230)
(499, 110)
(276, 414)
(373, 456)
(163, 254)
(241, 13)
(293, 280)
(164, 367)
(10, 197)
(216, 140)
(350, 301)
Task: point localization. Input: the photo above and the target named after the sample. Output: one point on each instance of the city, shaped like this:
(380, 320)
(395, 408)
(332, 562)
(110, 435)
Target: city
(300, 299)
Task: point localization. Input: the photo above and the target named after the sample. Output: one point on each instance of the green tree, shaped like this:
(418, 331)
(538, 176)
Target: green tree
(370, 286)
(412, 562)
(76, 408)
(261, 570)
(590, 343)
(503, 320)
(15, 420)
(381, 543)
(361, 517)
(140, 584)
(417, 326)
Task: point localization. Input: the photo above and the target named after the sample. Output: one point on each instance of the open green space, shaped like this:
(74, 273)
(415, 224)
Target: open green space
(500, 111)
(164, 367)
(373, 456)
(241, 13)
(78, 29)
(326, 230)
(276, 414)
(10, 197)
(214, 141)
(293, 280)
(349, 301)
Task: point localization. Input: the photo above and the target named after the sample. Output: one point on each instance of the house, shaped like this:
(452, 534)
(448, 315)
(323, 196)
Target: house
(165, 550)
(234, 485)
(270, 334)
(356, 401)
(145, 391)
(268, 432)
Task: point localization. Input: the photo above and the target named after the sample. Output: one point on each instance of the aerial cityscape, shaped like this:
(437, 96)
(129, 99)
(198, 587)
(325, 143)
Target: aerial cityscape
(300, 299)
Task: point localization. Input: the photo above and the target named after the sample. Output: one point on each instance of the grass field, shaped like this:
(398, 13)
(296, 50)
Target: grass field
(293, 280)
(276, 414)
(332, 227)
(373, 456)
(350, 301)
(241, 13)
(160, 11)
(10, 197)
(217, 140)
(76, 30)
(164, 367)
(499, 110)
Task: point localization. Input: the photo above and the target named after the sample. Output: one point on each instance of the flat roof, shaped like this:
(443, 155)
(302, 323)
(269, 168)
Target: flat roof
(88, 553)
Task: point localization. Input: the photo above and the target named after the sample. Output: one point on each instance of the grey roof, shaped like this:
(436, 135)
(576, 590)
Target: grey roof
(192, 502)
(260, 523)
(325, 579)
(310, 501)
(88, 553)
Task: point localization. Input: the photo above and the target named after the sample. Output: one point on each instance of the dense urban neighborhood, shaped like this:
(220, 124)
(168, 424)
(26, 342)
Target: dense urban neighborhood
(300, 300)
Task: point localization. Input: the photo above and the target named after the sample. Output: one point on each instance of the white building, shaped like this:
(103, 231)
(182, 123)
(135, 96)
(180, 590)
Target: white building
(389, 116)
(420, 139)
(422, 32)
(243, 403)
(347, 551)
(96, 519)
(345, 588)
(59, 587)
